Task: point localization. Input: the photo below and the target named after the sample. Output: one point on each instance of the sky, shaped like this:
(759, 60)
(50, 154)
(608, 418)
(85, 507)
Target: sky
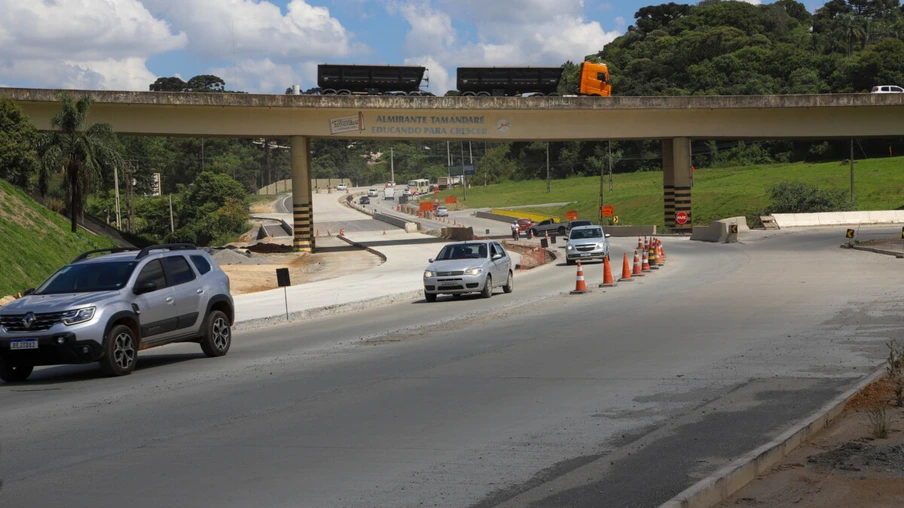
(266, 46)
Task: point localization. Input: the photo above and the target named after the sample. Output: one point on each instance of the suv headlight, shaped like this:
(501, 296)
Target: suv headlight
(428, 274)
(71, 317)
(569, 247)
(473, 271)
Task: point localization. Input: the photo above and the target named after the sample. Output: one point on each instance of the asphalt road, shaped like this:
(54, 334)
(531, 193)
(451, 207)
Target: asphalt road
(622, 397)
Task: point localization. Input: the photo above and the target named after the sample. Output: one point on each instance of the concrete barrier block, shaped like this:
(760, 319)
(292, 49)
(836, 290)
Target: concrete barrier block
(715, 232)
(411, 227)
(741, 221)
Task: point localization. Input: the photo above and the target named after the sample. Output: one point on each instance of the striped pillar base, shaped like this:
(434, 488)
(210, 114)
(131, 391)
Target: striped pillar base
(303, 227)
(677, 199)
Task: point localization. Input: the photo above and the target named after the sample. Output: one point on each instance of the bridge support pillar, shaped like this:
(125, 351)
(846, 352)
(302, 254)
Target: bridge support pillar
(677, 179)
(302, 209)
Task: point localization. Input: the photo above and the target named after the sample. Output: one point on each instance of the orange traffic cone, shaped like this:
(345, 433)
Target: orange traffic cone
(317, 232)
(626, 271)
(658, 253)
(646, 263)
(608, 281)
(384, 232)
(579, 286)
(661, 252)
(547, 237)
(638, 272)
(639, 245)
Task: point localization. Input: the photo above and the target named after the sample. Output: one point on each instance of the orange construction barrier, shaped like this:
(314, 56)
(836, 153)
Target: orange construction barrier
(638, 272)
(646, 263)
(626, 271)
(579, 285)
(608, 281)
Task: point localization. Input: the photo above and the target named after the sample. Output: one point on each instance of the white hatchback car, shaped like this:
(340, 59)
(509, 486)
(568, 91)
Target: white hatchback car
(342, 186)
(469, 267)
(887, 89)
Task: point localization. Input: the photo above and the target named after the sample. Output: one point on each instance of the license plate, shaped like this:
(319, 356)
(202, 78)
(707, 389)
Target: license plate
(447, 283)
(585, 254)
(23, 344)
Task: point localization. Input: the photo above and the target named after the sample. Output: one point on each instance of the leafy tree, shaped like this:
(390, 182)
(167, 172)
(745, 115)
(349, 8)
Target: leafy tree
(18, 138)
(83, 151)
(799, 197)
(172, 84)
(206, 83)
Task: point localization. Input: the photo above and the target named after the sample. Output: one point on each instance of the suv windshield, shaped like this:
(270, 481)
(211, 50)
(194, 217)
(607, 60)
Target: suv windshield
(88, 277)
(578, 234)
(463, 251)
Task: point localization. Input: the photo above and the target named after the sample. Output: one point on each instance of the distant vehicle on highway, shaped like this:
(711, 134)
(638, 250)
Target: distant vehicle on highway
(524, 225)
(441, 211)
(106, 308)
(585, 243)
(372, 192)
(575, 223)
(389, 193)
(468, 267)
(342, 187)
(364, 200)
(887, 89)
(547, 226)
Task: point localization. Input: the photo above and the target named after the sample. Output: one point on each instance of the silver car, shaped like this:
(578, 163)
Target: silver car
(106, 308)
(469, 267)
(586, 243)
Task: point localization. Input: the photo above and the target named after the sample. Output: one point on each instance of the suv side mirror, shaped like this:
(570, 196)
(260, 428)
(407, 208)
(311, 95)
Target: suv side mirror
(145, 287)
(430, 260)
(497, 256)
(608, 235)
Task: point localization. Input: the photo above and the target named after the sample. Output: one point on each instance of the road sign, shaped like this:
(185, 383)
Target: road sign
(615, 219)
(282, 277)
(608, 210)
(571, 215)
(850, 233)
(681, 218)
(733, 229)
(464, 169)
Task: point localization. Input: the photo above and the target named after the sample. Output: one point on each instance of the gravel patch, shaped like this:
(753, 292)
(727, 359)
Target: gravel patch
(236, 257)
(856, 457)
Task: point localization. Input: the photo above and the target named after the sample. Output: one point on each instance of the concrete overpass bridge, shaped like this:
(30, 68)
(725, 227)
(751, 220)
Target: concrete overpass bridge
(674, 120)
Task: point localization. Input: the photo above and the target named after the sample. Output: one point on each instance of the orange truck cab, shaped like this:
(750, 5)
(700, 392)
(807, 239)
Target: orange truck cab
(595, 80)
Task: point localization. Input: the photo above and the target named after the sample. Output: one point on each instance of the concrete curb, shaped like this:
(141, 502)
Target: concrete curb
(871, 249)
(723, 483)
(279, 319)
(362, 246)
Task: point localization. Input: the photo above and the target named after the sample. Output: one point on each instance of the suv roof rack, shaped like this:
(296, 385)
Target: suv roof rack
(111, 250)
(166, 246)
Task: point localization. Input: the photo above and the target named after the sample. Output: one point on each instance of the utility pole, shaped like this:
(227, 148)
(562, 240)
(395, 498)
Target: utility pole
(602, 170)
(392, 165)
(171, 226)
(547, 167)
(609, 156)
(852, 170)
(464, 179)
(132, 169)
(116, 186)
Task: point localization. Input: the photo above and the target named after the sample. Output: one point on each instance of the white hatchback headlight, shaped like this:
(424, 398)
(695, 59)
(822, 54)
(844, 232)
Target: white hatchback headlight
(72, 317)
(473, 271)
(569, 247)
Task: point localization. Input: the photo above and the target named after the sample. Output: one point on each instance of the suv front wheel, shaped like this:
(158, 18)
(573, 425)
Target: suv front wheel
(120, 351)
(14, 372)
(217, 335)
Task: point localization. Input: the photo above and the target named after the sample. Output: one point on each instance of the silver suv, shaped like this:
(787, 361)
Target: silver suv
(585, 243)
(108, 307)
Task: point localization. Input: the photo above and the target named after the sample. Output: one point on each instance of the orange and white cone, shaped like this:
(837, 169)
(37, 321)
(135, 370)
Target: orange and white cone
(626, 271)
(608, 281)
(638, 271)
(646, 263)
(579, 285)
(639, 244)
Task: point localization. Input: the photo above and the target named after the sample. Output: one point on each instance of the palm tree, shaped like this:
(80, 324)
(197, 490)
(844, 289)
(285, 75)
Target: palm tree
(83, 152)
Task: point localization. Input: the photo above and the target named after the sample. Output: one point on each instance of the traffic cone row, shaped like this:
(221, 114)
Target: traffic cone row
(608, 282)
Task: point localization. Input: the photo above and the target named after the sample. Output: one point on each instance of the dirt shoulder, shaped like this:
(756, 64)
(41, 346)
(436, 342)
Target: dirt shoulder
(845, 466)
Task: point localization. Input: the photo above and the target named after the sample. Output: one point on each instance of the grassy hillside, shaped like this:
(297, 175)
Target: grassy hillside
(717, 193)
(36, 242)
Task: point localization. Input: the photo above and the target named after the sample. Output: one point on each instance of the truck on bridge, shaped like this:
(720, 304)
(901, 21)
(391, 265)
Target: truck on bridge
(446, 182)
(337, 79)
(341, 79)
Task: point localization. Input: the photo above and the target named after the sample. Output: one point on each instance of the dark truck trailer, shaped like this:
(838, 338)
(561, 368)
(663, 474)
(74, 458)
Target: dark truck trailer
(370, 79)
(508, 81)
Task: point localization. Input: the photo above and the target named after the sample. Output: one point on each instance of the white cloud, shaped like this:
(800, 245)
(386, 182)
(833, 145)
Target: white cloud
(223, 29)
(260, 76)
(81, 43)
(514, 32)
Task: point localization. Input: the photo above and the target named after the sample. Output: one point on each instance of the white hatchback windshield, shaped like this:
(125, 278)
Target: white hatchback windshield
(580, 234)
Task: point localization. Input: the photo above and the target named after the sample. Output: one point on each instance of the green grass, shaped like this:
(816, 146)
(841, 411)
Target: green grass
(717, 193)
(36, 241)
